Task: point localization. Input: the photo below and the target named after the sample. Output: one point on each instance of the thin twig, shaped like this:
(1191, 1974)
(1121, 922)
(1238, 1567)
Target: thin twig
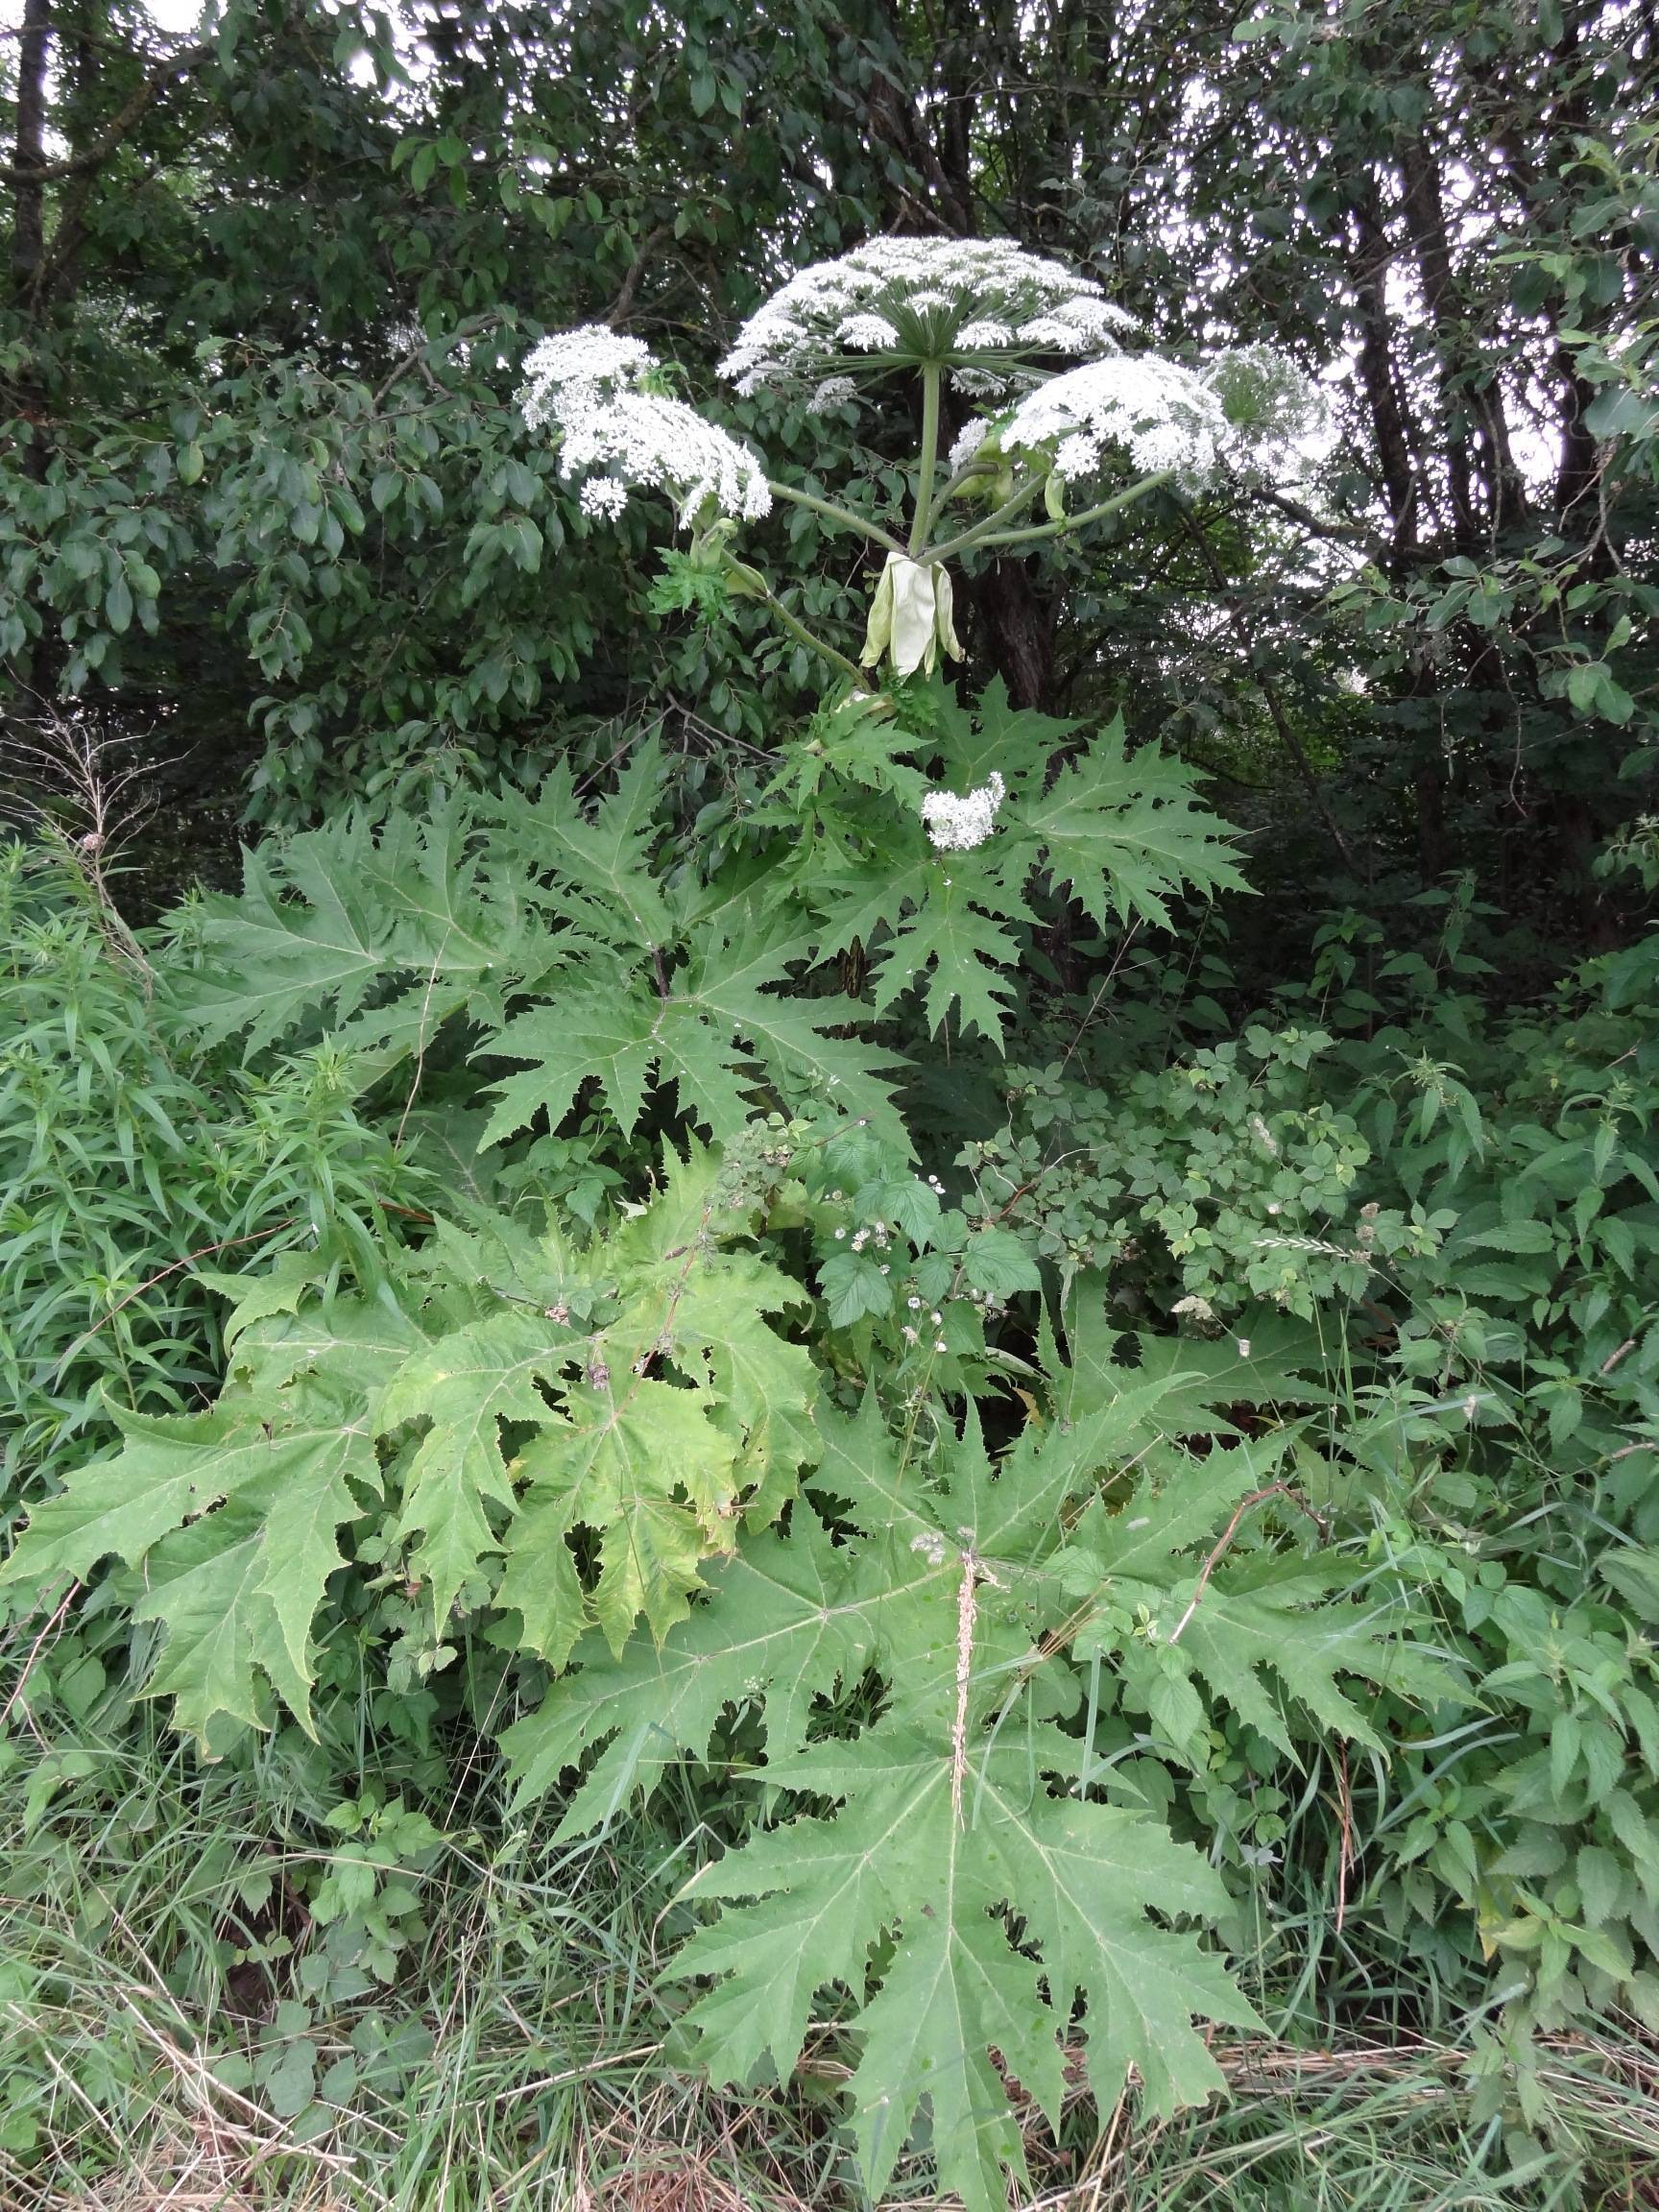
(6, 1710)
(202, 1252)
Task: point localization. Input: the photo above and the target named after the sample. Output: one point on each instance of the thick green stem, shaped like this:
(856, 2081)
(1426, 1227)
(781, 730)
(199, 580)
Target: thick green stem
(964, 475)
(974, 534)
(842, 517)
(795, 628)
(930, 459)
(1070, 522)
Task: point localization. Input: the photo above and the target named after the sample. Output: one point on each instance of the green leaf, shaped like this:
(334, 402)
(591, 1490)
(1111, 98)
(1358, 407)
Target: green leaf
(995, 1261)
(340, 917)
(853, 1286)
(902, 1895)
(1601, 1879)
(907, 1859)
(234, 1517)
(1124, 833)
(718, 1030)
(465, 1385)
(1261, 1633)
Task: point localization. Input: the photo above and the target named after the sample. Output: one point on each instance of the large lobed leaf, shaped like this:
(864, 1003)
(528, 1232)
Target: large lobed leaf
(1123, 834)
(567, 1437)
(551, 935)
(955, 1872)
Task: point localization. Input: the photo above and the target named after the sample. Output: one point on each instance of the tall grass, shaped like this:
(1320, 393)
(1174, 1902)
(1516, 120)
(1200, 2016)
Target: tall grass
(173, 2033)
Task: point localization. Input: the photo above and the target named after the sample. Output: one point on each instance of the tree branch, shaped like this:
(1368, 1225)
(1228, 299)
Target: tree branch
(125, 119)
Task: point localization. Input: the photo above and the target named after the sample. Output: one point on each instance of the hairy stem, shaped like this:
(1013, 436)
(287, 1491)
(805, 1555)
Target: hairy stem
(930, 459)
(798, 629)
(843, 518)
(1070, 522)
(1020, 496)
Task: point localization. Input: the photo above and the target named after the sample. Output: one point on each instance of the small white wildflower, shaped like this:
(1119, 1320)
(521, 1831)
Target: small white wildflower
(939, 1344)
(833, 391)
(975, 383)
(1263, 1135)
(908, 1333)
(914, 300)
(839, 1233)
(972, 435)
(956, 825)
(914, 1303)
(936, 1320)
(585, 386)
(593, 356)
(1052, 334)
(1200, 1309)
(869, 333)
(1243, 1347)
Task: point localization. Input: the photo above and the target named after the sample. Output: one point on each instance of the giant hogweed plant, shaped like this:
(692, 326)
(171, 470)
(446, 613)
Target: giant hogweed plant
(705, 1408)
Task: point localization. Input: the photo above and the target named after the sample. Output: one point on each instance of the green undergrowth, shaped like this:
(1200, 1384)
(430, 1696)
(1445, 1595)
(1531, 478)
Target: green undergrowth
(193, 2011)
(702, 1616)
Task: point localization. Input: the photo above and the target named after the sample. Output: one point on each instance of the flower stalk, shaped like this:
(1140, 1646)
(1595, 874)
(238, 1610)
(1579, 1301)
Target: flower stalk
(930, 459)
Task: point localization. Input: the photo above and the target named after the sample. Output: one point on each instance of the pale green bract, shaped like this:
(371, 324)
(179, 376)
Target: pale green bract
(911, 618)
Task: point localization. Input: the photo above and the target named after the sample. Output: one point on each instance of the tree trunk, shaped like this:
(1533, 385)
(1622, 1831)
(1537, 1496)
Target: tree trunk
(29, 193)
(1017, 633)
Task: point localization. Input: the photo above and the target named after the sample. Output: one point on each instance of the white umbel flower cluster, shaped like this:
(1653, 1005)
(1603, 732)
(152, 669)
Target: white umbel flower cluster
(1163, 414)
(586, 386)
(593, 355)
(957, 824)
(979, 307)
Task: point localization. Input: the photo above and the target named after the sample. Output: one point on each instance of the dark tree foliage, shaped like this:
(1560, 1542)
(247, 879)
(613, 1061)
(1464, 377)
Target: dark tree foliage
(267, 499)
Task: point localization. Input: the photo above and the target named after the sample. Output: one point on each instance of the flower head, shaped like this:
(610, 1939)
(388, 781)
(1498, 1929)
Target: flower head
(1164, 415)
(588, 386)
(978, 307)
(957, 824)
(1281, 419)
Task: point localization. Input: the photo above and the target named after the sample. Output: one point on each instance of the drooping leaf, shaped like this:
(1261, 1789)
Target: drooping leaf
(234, 1516)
